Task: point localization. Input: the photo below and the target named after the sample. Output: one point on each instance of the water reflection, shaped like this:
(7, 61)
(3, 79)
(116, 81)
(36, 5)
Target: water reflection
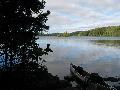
(94, 57)
(115, 43)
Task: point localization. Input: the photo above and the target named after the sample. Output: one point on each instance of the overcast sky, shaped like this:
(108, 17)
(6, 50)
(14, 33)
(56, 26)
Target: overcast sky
(71, 15)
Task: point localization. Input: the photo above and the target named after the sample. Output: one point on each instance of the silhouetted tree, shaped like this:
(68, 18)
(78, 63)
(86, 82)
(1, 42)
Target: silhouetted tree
(20, 55)
(22, 67)
(20, 22)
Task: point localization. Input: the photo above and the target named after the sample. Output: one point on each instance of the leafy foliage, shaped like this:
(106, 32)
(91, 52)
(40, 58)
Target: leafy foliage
(18, 30)
(22, 67)
(20, 55)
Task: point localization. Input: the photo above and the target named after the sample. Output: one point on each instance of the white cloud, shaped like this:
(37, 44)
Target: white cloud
(66, 14)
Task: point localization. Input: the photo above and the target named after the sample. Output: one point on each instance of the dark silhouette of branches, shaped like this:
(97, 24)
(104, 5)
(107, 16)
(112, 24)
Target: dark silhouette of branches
(21, 65)
(20, 54)
(18, 30)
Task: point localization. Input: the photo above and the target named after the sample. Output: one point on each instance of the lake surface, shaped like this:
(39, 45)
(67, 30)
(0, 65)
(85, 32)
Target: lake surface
(94, 54)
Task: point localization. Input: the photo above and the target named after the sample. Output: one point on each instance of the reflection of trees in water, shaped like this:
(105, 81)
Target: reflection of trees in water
(108, 42)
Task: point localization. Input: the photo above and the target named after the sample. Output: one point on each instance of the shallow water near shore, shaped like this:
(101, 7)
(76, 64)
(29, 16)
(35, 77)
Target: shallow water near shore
(94, 54)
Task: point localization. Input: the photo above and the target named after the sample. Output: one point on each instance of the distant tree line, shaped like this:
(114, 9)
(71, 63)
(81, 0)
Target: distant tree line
(102, 31)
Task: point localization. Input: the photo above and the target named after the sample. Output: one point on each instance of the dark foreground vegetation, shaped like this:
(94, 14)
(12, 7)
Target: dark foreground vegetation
(103, 31)
(21, 65)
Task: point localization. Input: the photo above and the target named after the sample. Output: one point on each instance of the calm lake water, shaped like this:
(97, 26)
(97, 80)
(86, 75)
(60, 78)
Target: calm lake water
(94, 54)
